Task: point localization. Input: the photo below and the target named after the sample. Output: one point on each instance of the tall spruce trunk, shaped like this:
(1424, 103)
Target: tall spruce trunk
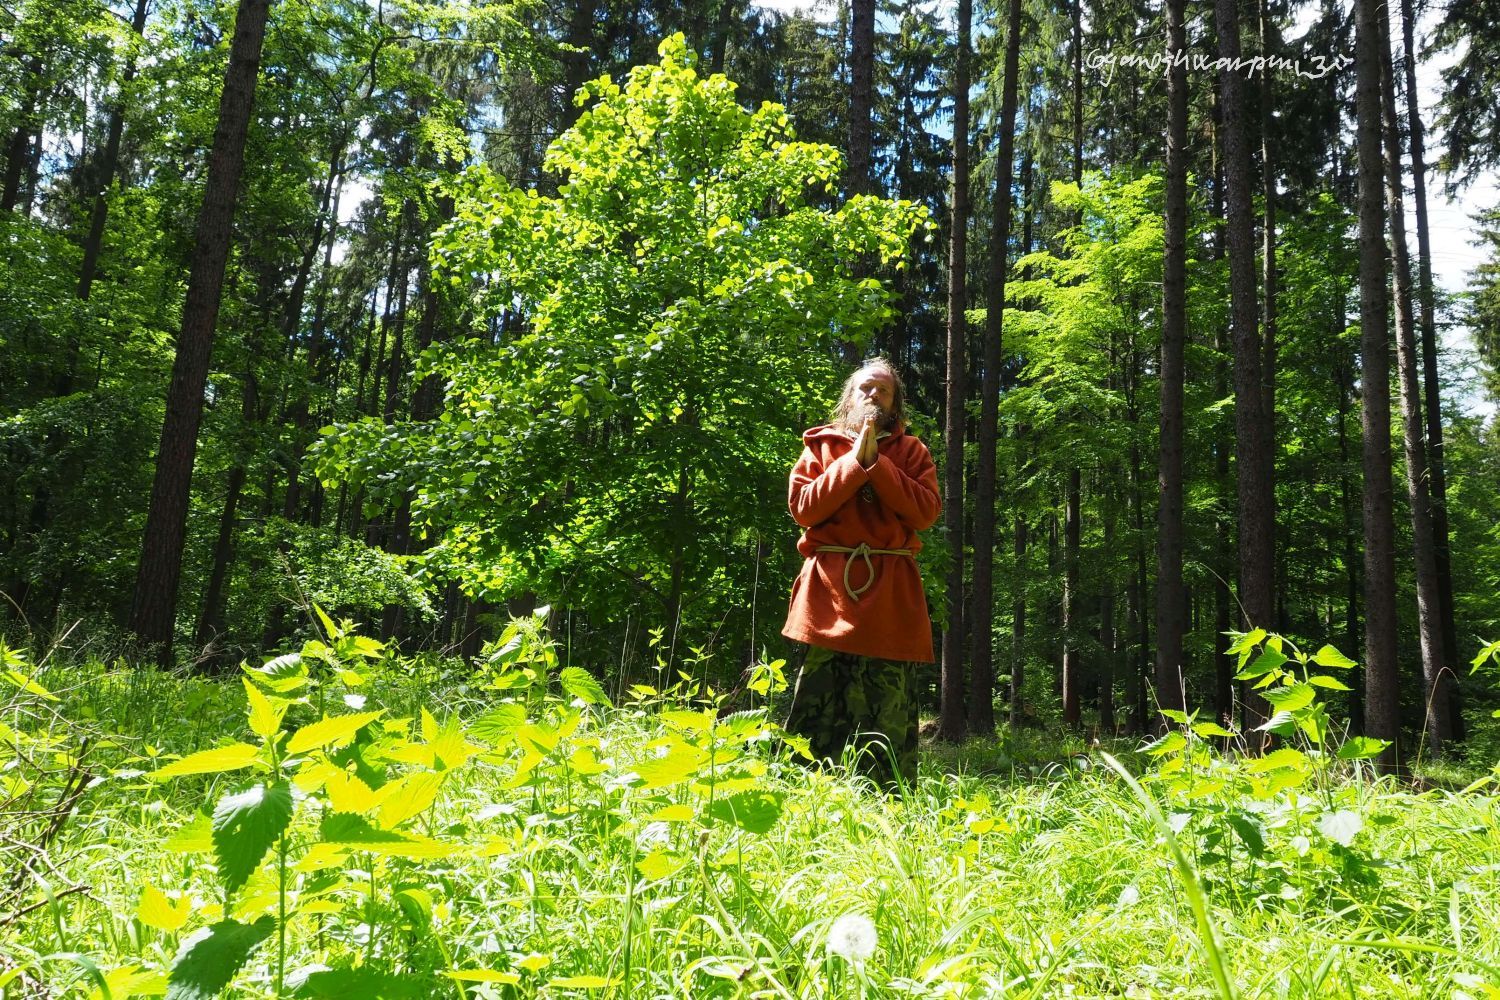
(1018, 629)
(1382, 680)
(1253, 444)
(1169, 608)
(1437, 475)
(1435, 674)
(861, 94)
(1072, 671)
(1268, 235)
(576, 62)
(160, 568)
(981, 621)
(951, 715)
(1107, 641)
(1345, 381)
(1069, 667)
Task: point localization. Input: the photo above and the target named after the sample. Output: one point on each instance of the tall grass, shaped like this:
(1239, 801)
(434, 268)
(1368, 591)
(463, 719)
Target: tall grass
(1002, 873)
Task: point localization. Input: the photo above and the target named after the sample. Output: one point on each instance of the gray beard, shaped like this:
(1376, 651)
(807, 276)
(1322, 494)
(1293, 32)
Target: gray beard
(854, 420)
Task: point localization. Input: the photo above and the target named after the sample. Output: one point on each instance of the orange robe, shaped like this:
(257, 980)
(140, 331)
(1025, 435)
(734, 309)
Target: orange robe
(838, 502)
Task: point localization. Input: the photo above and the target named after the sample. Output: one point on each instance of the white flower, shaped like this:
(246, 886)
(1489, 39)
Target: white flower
(1341, 827)
(853, 937)
(1129, 896)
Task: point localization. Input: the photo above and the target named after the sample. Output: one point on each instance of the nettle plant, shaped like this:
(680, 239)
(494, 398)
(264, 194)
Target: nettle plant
(362, 870)
(1269, 827)
(334, 835)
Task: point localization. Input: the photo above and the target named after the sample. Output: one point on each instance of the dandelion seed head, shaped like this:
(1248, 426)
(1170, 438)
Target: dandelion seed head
(853, 937)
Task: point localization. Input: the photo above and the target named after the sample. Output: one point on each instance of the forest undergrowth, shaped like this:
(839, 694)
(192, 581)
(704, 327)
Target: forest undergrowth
(343, 822)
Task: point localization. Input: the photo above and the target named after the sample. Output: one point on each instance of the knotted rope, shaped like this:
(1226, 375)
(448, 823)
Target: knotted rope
(861, 551)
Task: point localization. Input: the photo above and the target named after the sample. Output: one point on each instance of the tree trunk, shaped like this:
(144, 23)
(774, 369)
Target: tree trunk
(861, 94)
(1169, 610)
(1268, 237)
(1107, 650)
(981, 622)
(160, 569)
(1252, 447)
(576, 63)
(1135, 689)
(106, 172)
(1345, 380)
(300, 417)
(1437, 475)
(951, 716)
(211, 619)
(1071, 668)
(18, 150)
(1018, 629)
(1435, 673)
(1382, 681)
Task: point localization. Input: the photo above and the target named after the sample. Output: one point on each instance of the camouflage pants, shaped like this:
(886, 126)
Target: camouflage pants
(862, 703)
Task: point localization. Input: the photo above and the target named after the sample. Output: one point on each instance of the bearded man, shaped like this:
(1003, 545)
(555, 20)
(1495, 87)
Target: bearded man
(861, 491)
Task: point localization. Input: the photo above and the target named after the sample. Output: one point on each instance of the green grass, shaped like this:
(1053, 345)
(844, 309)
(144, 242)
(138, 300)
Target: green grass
(1018, 867)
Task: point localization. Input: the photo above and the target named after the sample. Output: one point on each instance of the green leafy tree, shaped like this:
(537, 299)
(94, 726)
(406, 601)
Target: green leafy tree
(652, 341)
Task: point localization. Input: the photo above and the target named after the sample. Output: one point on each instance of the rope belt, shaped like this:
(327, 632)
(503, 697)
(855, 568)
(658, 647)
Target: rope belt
(861, 551)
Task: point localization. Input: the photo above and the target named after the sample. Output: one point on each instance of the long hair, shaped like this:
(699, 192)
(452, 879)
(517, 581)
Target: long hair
(849, 398)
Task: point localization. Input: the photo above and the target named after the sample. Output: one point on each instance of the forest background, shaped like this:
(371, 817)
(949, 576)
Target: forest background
(353, 304)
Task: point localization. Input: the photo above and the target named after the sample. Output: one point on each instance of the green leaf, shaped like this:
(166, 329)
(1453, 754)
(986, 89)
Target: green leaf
(686, 721)
(407, 797)
(1285, 757)
(800, 745)
(1250, 832)
(1268, 660)
(1170, 743)
(1211, 729)
(265, 715)
(210, 957)
(754, 811)
(659, 864)
(1314, 723)
(158, 911)
(505, 978)
(226, 758)
(1492, 650)
(1332, 683)
(581, 684)
(1245, 640)
(1282, 723)
(329, 628)
(1292, 698)
(363, 983)
(498, 726)
(682, 762)
(282, 675)
(1174, 715)
(1330, 657)
(355, 832)
(1361, 748)
(335, 731)
(28, 685)
(196, 836)
(582, 983)
(245, 825)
